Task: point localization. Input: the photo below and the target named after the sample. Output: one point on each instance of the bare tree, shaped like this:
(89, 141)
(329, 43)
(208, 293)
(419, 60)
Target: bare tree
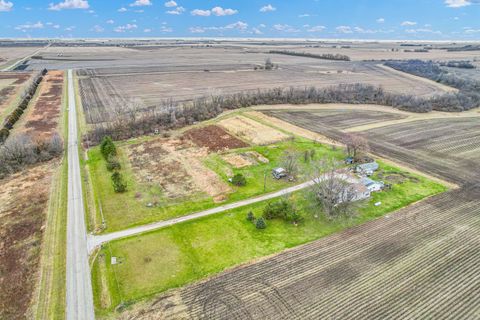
(289, 162)
(331, 190)
(356, 145)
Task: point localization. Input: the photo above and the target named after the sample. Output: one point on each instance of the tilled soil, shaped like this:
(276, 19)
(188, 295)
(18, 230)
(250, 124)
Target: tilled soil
(214, 138)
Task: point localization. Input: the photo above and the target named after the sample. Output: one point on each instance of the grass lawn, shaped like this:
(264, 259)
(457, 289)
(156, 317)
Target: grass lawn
(125, 210)
(174, 256)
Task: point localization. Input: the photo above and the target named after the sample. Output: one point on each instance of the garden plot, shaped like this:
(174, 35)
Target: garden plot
(214, 138)
(244, 159)
(252, 131)
(175, 166)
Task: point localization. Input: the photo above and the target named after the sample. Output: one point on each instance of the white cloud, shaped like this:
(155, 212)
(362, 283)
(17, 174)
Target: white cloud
(141, 3)
(344, 29)
(69, 4)
(256, 31)
(147, 30)
(177, 11)
(268, 8)
(56, 26)
(457, 3)
(196, 30)
(27, 26)
(380, 20)
(139, 11)
(126, 27)
(316, 29)
(5, 6)
(469, 30)
(199, 12)
(408, 23)
(122, 9)
(219, 11)
(170, 4)
(69, 28)
(110, 21)
(166, 29)
(97, 29)
(262, 25)
(305, 15)
(239, 25)
(285, 28)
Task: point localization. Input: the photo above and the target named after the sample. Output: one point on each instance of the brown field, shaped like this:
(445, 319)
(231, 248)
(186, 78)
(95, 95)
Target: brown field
(41, 119)
(175, 165)
(214, 138)
(252, 131)
(11, 85)
(23, 205)
(9, 55)
(420, 262)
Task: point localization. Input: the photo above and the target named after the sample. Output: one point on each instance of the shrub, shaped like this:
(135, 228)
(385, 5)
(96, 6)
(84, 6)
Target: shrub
(281, 209)
(113, 163)
(250, 216)
(107, 148)
(261, 224)
(119, 184)
(4, 133)
(239, 180)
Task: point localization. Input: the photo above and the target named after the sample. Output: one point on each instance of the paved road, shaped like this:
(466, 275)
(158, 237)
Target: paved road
(95, 241)
(79, 287)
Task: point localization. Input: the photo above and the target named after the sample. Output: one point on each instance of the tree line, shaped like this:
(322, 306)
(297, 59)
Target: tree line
(170, 114)
(468, 96)
(325, 56)
(20, 151)
(26, 96)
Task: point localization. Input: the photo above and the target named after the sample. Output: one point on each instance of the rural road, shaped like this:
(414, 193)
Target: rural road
(95, 241)
(79, 299)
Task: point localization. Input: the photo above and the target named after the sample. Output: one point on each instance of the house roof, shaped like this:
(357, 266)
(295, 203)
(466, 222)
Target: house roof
(368, 166)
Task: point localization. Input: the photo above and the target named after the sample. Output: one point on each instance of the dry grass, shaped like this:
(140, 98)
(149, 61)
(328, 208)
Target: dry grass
(175, 165)
(23, 205)
(252, 131)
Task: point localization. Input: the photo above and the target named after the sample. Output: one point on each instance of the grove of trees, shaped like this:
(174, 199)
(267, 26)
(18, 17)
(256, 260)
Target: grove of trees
(325, 56)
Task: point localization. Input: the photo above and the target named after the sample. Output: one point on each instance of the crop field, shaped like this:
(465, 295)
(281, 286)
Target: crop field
(217, 242)
(42, 118)
(101, 89)
(408, 265)
(339, 119)
(23, 205)
(9, 55)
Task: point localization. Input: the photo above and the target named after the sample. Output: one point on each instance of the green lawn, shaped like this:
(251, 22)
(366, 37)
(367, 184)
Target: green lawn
(174, 256)
(122, 211)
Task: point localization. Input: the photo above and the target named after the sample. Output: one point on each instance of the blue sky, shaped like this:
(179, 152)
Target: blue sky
(346, 19)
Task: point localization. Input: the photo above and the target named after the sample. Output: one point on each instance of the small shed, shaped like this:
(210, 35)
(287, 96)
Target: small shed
(279, 173)
(367, 168)
(372, 185)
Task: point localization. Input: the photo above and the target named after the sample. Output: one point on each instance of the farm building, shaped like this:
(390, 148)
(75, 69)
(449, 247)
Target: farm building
(360, 191)
(372, 185)
(367, 168)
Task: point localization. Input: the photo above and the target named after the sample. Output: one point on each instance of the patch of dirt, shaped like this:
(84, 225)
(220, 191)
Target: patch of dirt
(244, 159)
(252, 131)
(214, 138)
(23, 202)
(176, 166)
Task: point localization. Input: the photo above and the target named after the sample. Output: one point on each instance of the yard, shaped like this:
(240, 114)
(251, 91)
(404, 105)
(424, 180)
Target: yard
(170, 177)
(157, 261)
